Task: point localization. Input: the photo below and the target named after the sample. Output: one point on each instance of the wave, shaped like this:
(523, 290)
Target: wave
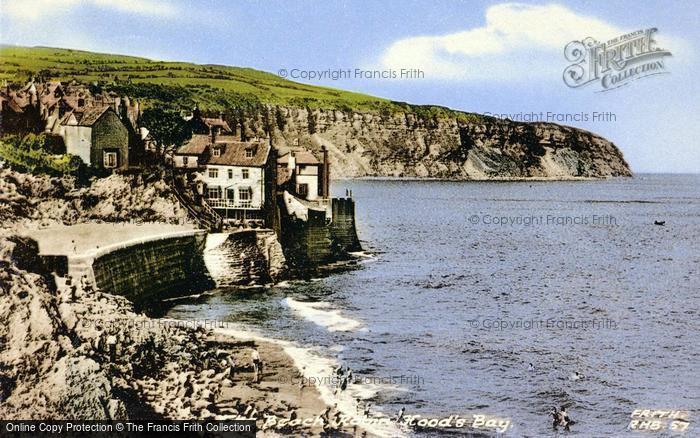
(320, 313)
(312, 365)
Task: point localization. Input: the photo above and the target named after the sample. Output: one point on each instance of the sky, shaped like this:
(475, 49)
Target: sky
(487, 57)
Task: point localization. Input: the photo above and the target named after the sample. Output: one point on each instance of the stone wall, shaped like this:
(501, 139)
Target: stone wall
(318, 240)
(109, 133)
(153, 269)
(342, 227)
(244, 257)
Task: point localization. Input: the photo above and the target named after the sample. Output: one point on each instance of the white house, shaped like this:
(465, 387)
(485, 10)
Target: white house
(305, 174)
(238, 179)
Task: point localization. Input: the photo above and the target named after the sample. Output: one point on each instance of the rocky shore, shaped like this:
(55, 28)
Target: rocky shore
(69, 351)
(82, 354)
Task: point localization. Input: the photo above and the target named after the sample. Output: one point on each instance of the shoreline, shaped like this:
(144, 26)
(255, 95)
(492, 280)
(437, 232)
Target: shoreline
(101, 360)
(494, 179)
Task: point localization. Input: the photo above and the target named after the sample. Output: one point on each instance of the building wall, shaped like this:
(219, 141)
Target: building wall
(255, 180)
(192, 161)
(78, 140)
(109, 133)
(308, 175)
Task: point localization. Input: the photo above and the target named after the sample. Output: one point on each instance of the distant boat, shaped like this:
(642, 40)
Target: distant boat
(662, 223)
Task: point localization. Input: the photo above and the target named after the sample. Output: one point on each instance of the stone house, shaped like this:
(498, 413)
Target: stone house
(98, 136)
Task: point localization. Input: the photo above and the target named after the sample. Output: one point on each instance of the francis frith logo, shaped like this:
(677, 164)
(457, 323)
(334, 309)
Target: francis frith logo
(614, 63)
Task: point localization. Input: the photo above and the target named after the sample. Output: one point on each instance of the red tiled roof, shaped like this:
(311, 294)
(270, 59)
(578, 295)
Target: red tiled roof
(197, 145)
(91, 115)
(234, 154)
(301, 157)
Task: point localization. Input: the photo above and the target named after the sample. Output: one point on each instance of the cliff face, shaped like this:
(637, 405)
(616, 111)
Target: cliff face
(411, 145)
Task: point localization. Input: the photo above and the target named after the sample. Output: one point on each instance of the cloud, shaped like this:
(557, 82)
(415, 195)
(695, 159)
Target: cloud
(518, 42)
(33, 10)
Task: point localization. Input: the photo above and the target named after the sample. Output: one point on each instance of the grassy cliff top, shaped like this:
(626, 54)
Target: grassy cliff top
(182, 84)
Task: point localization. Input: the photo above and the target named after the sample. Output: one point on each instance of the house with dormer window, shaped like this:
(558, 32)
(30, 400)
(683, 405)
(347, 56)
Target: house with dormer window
(238, 178)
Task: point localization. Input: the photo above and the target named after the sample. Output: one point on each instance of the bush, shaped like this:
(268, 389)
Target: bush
(28, 155)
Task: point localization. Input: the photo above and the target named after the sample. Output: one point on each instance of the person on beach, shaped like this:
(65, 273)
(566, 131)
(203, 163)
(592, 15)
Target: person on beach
(367, 407)
(257, 365)
(112, 347)
(73, 292)
(85, 284)
(399, 418)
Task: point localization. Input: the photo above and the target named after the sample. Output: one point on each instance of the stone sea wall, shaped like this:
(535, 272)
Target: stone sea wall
(151, 269)
(316, 241)
(244, 257)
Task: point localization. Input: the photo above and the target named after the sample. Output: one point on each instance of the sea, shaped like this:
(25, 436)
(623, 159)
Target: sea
(482, 300)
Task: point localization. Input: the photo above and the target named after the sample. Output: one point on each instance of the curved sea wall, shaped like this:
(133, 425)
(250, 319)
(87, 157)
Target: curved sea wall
(153, 268)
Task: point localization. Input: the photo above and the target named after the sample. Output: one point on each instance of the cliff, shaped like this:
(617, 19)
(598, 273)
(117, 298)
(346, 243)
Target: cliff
(367, 135)
(457, 146)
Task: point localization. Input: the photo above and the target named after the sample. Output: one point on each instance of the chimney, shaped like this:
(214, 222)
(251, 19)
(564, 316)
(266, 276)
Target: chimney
(213, 130)
(292, 163)
(325, 183)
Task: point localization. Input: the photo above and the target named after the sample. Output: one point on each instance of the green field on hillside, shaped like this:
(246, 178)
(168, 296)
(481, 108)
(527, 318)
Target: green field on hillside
(182, 84)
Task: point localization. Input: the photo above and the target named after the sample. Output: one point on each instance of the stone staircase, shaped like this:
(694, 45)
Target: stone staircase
(205, 216)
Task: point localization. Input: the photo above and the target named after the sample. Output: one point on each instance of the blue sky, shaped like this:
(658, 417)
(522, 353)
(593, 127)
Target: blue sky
(480, 56)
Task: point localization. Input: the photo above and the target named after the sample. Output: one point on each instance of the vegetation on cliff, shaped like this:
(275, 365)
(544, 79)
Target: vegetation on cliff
(366, 135)
(182, 85)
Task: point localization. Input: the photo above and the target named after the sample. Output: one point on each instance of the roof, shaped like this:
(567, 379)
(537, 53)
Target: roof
(301, 157)
(92, 115)
(234, 154)
(216, 122)
(196, 145)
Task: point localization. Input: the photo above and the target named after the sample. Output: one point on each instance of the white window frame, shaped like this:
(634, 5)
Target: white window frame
(245, 173)
(216, 152)
(230, 174)
(185, 160)
(213, 173)
(249, 153)
(245, 197)
(216, 191)
(106, 159)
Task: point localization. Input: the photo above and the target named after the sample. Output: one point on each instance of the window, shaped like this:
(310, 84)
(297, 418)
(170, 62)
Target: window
(230, 174)
(246, 173)
(213, 173)
(110, 160)
(214, 193)
(185, 160)
(245, 196)
(303, 190)
(249, 153)
(217, 152)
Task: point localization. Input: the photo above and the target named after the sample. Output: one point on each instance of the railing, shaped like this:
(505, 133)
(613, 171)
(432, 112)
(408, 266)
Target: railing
(208, 218)
(229, 203)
